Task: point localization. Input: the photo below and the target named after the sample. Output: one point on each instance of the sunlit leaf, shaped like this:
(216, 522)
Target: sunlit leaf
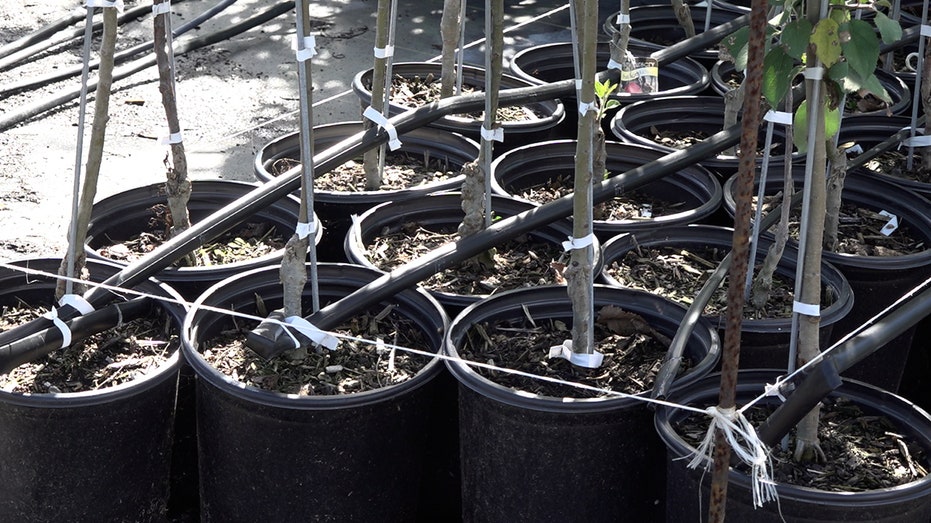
(777, 77)
(826, 41)
(795, 37)
(889, 29)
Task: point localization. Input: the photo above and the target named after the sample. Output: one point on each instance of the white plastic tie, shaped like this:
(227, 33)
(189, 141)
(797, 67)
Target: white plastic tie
(316, 335)
(305, 229)
(622, 19)
(160, 9)
(578, 84)
(170, 139)
(564, 351)
(496, 134)
(78, 302)
(748, 448)
(813, 73)
(62, 326)
(614, 65)
(808, 309)
(891, 225)
(308, 50)
(118, 4)
(381, 121)
(774, 390)
(916, 141)
(585, 107)
(780, 117)
(578, 243)
(925, 30)
(854, 149)
(384, 52)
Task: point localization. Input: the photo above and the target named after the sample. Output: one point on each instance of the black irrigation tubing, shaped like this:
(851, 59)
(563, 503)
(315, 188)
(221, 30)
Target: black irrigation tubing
(42, 34)
(32, 347)
(12, 59)
(816, 383)
(13, 119)
(119, 58)
(700, 41)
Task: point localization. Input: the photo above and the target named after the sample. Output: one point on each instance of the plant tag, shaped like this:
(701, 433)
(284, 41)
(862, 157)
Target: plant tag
(891, 225)
(639, 75)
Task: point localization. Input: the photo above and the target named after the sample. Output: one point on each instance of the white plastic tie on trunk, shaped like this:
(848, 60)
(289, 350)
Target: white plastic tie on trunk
(170, 139)
(745, 444)
(78, 302)
(61, 325)
(614, 65)
(622, 19)
(925, 30)
(585, 107)
(118, 4)
(808, 309)
(891, 225)
(578, 243)
(380, 120)
(854, 149)
(384, 52)
(916, 141)
(160, 9)
(813, 73)
(305, 229)
(316, 335)
(564, 351)
(496, 134)
(578, 84)
(306, 51)
(780, 117)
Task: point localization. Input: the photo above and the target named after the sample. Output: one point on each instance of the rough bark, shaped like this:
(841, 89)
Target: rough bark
(177, 185)
(684, 15)
(834, 190)
(95, 151)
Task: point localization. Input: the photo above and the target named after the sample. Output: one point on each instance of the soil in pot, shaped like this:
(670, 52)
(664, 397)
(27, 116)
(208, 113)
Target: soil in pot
(878, 457)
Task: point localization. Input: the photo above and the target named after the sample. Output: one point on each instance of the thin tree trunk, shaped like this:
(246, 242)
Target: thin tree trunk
(835, 188)
(621, 38)
(579, 276)
(475, 188)
(926, 106)
(450, 26)
(177, 185)
(684, 16)
(95, 152)
(733, 101)
(371, 160)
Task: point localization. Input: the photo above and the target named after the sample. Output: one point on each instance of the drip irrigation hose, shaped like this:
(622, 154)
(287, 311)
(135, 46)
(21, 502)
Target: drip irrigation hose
(261, 197)
(815, 383)
(700, 41)
(30, 348)
(13, 59)
(119, 58)
(43, 33)
(13, 119)
(883, 146)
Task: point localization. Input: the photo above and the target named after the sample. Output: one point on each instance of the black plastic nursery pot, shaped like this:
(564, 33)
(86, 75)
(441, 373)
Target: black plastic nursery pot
(655, 27)
(129, 213)
(541, 117)
(877, 281)
(869, 131)
(284, 457)
(899, 92)
(764, 343)
(533, 458)
(693, 192)
(553, 62)
(101, 455)
(443, 212)
(335, 208)
(688, 489)
(693, 114)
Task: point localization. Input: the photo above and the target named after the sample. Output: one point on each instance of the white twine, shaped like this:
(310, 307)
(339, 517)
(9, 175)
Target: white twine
(381, 121)
(746, 445)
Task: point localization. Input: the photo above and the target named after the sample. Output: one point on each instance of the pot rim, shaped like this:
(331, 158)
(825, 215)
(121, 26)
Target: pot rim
(252, 394)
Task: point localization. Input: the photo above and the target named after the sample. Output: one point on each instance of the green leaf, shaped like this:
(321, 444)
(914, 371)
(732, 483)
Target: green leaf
(889, 29)
(861, 49)
(795, 37)
(800, 127)
(735, 44)
(870, 84)
(777, 77)
(831, 121)
(826, 41)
